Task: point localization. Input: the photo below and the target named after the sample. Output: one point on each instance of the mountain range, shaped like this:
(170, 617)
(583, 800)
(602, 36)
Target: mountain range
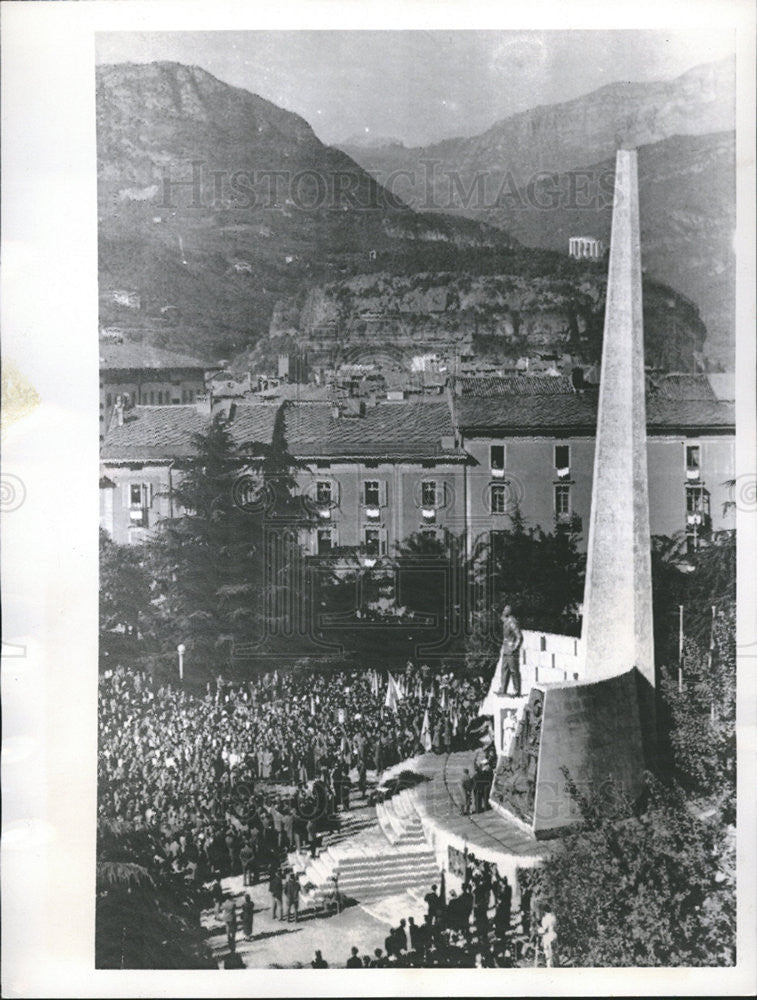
(217, 208)
(685, 130)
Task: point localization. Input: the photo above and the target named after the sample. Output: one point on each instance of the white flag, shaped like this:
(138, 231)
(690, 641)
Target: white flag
(426, 732)
(393, 694)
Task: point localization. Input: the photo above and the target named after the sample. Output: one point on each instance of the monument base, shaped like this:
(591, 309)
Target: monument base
(597, 736)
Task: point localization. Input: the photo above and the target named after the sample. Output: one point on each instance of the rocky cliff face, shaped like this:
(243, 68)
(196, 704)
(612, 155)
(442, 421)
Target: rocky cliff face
(497, 316)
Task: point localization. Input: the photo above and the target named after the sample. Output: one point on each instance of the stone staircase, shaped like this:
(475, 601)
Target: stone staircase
(384, 860)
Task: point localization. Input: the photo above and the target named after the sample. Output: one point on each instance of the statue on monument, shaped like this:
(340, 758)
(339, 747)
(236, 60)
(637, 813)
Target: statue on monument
(512, 640)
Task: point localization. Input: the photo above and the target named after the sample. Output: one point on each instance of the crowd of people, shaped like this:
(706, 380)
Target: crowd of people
(475, 928)
(230, 781)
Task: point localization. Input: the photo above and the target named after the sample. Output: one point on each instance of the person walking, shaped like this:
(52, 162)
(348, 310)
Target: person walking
(218, 898)
(466, 787)
(230, 920)
(292, 892)
(246, 857)
(248, 916)
(275, 888)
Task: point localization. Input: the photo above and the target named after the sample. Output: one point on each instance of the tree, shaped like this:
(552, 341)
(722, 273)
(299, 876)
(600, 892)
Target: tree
(222, 562)
(696, 580)
(652, 888)
(702, 717)
(125, 598)
(144, 919)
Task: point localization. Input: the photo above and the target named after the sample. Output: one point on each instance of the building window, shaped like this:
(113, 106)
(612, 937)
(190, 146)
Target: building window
(428, 493)
(108, 399)
(498, 498)
(562, 502)
(323, 492)
(692, 461)
(371, 493)
(160, 399)
(497, 459)
(562, 460)
(138, 499)
(697, 505)
(190, 395)
(374, 541)
(325, 541)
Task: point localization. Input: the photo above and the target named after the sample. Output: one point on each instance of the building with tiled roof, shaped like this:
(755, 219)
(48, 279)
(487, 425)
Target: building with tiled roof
(377, 472)
(145, 449)
(144, 375)
(531, 446)
(417, 428)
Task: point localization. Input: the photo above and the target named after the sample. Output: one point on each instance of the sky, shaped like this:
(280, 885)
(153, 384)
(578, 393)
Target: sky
(420, 86)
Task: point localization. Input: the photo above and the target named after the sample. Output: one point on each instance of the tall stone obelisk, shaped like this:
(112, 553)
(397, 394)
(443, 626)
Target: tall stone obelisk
(617, 609)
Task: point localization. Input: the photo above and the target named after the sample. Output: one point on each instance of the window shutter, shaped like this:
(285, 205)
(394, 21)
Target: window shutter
(335, 492)
(127, 494)
(382, 541)
(382, 493)
(335, 537)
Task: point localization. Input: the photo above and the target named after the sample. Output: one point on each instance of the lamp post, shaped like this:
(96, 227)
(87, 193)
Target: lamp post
(181, 649)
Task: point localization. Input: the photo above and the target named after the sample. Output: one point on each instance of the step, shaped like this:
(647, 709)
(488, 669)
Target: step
(388, 861)
(386, 874)
(382, 882)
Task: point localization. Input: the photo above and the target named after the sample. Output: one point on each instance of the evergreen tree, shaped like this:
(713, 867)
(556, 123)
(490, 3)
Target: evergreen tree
(220, 564)
(125, 598)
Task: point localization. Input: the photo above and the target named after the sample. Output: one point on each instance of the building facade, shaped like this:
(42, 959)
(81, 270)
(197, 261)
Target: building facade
(146, 376)
(372, 473)
(531, 446)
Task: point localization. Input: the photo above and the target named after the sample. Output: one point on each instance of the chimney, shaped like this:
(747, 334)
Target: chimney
(577, 378)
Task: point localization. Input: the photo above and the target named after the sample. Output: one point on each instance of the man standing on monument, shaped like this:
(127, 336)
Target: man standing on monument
(512, 640)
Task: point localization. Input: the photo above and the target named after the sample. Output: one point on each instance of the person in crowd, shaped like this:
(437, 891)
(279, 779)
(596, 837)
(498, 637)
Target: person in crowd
(415, 934)
(275, 888)
(292, 893)
(248, 916)
(548, 935)
(230, 920)
(466, 787)
(354, 962)
(319, 962)
(218, 898)
(401, 935)
(246, 858)
(431, 900)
